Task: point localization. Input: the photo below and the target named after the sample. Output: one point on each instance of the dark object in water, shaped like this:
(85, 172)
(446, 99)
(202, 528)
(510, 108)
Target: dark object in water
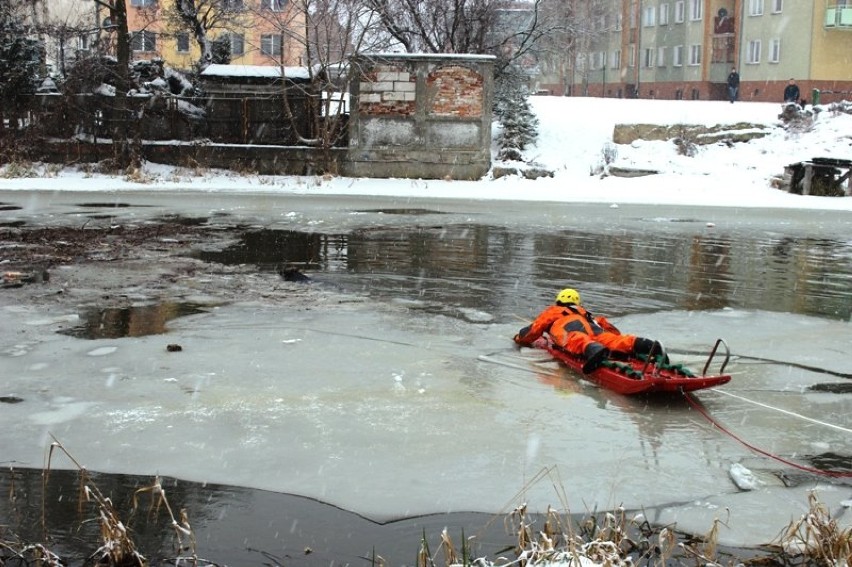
(292, 274)
(174, 347)
(11, 399)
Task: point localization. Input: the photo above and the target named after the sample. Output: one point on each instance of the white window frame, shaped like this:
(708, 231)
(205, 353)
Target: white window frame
(679, 12)
(677, 56)
(753, 52)
(696, 10)
(777, 6)
(273, 5)
(271, 44)
(648, 57)
(631, 55)
(695, 54)
(147, 42)
(615, 59)
(664, 14)
(774, 50)
(619, 21)
(649, 17)
(661, 56)
(755, 7)
(143, 3)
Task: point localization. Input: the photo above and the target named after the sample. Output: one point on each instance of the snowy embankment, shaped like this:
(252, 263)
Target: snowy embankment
(573, 134)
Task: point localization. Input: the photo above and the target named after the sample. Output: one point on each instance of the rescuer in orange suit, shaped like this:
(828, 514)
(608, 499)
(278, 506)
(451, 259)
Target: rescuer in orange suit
(579, 332)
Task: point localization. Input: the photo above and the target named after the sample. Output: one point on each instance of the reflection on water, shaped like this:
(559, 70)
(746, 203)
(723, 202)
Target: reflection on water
(502, 271)
(231, 525)
(133, 321)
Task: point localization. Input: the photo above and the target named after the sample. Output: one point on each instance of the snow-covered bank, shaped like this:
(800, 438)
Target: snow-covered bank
(573, 134)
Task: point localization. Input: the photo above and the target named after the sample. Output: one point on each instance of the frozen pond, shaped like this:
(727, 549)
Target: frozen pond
(396, 391)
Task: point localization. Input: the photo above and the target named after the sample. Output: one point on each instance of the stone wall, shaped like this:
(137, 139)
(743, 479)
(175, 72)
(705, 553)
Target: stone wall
(421, 116)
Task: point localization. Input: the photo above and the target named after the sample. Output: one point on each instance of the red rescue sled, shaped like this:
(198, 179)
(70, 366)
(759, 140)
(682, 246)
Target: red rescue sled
(635, 376)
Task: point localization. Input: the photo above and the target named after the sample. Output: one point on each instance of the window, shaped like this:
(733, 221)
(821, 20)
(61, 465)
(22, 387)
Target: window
(270, 45)
(650, 16)
(677, 56)
(274, 5)
(679, 12)
(631, 56)
(661, 57)
(633, 10)
(618, 22)
(143, 3)
(755, 7)
(182, 41)
(238, 44)
(664, 14)
(232, 5)
(83, 42)
(753, 52)
(775, 51)
(696, 9)
(615, 59)
(695, 54)
(143, 41)
(648, 57)
(777, 6)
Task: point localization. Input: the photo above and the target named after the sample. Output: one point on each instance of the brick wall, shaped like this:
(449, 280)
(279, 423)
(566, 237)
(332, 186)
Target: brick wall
(421, 116)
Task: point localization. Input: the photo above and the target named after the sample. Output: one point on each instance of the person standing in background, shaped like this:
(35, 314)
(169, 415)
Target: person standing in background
(733, 85)
(791, 92)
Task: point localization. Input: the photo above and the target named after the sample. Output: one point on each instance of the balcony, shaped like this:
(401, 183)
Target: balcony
(838, 17)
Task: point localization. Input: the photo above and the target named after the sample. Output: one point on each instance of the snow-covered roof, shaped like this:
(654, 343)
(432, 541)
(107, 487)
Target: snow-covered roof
(255, 71)
(465, 56)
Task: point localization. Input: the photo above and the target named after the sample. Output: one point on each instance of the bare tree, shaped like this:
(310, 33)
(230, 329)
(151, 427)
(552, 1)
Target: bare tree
(324, 34)
(124, 154)
(571, 35)
(202, 18)
(506, 29)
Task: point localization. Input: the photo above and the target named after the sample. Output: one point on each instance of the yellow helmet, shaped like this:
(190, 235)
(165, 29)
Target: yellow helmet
(568, 296)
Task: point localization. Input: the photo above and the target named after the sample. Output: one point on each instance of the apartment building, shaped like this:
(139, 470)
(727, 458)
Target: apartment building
(685, 49)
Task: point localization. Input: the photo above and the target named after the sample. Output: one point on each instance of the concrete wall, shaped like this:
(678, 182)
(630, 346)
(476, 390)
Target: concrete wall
(421, 116)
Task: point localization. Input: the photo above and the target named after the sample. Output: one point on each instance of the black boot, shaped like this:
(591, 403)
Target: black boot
(647, 347)
(595, 354)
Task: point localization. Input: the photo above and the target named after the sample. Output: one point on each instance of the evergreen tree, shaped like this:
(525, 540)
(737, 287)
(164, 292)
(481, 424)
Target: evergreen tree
(20, 61)
(512, 109)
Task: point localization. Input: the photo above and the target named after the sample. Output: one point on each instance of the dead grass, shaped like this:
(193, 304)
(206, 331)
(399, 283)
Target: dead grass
(555, 539)
(116, 546)
(816, 538)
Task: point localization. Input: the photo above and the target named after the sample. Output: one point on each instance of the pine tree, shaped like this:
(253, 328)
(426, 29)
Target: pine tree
(20, 62)
(512, 108)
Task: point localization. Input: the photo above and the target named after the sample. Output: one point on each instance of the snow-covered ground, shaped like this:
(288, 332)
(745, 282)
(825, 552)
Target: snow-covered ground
(573, 135)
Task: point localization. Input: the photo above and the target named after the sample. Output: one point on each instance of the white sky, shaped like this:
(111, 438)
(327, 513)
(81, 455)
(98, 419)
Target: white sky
(573, 133)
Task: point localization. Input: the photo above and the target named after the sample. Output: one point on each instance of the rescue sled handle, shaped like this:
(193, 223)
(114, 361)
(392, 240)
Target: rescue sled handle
(713, 355)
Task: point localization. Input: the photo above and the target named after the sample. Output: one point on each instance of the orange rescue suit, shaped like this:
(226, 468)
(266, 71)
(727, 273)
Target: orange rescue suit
(573, 328)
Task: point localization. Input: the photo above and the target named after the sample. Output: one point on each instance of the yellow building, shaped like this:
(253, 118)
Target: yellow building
(260, 32)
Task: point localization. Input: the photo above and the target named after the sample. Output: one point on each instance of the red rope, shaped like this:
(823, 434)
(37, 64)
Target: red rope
(708, 417)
